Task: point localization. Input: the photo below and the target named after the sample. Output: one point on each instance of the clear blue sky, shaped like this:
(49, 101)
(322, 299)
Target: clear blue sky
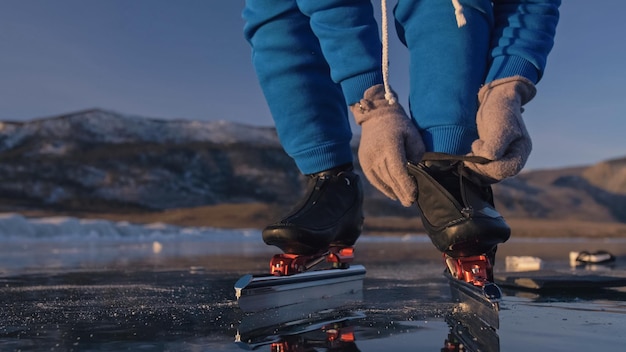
(188, 59)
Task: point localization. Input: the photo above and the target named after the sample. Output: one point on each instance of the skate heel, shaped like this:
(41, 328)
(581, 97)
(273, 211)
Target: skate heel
(289, 264)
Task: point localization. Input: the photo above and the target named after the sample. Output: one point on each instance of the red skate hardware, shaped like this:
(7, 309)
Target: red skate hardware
(290, 264)
(476, 270)
(335, 338)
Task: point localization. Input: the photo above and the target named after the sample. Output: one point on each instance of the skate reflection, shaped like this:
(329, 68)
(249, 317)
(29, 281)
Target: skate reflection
(346, 329)
(468, 333)
(330, 338)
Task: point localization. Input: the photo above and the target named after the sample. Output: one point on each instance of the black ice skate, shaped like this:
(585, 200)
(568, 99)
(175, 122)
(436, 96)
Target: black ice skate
(321, 228)
(457, 211)
(329, 215)
(459, 216)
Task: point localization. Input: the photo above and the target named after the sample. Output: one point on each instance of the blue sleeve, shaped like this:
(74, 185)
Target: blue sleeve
(349, 38)
(523, 36)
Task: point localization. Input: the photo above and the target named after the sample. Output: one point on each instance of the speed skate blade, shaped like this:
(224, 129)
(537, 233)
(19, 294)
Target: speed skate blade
(256, 294)
(475, 300)
(473, 334)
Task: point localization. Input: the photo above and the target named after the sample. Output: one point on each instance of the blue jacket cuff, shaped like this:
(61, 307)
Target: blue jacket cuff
(509, 66)
(354, 87)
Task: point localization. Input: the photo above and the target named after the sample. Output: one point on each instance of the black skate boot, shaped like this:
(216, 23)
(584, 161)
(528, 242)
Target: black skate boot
(457, 211)
(330, 214)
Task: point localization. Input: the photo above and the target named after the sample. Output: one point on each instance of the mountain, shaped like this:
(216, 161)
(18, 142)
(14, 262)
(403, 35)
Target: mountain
(99, 159)
(591, 193)
(103, 161)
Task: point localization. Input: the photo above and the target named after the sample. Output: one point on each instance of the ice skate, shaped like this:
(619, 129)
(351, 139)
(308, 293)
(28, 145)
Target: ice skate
(460, 218)
(329, 215)
(322, 228)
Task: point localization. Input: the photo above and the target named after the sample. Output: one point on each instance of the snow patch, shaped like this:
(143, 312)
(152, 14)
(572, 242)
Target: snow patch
(67, 243)
(15, 227)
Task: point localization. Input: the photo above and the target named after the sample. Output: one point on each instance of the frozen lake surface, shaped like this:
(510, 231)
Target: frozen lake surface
(77, 285)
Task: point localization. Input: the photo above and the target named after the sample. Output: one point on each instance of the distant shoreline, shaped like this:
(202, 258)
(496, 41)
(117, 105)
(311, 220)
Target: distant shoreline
(258, 215)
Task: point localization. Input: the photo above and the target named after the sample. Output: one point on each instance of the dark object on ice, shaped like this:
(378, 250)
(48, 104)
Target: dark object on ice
(331, 213)
(599, 257)
(457, 211)
(548, 280)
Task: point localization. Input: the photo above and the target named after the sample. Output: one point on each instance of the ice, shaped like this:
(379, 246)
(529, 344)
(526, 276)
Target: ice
(105, 285)
(67, 243)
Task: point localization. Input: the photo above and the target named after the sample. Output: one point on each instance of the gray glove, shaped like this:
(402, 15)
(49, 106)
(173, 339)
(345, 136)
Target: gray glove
(389, 139)
(502, 135)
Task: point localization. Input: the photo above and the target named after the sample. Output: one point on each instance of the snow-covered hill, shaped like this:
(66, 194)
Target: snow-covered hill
(98, 160)
(101, 126)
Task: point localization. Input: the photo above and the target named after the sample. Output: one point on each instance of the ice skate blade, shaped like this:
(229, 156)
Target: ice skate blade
(483, 302)
(259, 293)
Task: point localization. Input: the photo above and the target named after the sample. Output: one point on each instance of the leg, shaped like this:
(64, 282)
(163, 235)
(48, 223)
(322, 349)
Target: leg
(307, 106)
(349, 39)
(448, 65)
(310, 113)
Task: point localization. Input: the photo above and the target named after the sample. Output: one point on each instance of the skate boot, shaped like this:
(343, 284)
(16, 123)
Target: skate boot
(457, 211)
(329, 215)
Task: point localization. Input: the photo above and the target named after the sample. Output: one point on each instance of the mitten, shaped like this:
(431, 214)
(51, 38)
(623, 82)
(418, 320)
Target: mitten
(389, 138)
(502, 135)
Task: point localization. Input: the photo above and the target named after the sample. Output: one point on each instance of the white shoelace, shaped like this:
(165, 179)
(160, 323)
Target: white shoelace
(458, 12)
(391, 98)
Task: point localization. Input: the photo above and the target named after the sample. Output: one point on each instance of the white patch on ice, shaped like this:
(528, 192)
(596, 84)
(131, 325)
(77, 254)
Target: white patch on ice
(65, 242)
(16, 227)
(157, 247)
